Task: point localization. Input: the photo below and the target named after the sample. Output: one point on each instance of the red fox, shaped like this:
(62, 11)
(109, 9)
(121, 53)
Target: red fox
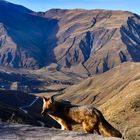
(67, 114)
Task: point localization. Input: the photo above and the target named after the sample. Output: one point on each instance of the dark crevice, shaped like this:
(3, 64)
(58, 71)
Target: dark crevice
(130, 35)
(105, 63)
(122, 57)
(67, 52)
(86, 47)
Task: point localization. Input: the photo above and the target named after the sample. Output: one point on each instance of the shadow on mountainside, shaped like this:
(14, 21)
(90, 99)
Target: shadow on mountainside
(132, 40)
(34, 38)
(23, 108)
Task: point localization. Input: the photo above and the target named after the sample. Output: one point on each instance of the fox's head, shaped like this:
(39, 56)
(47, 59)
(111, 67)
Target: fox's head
(48, 106)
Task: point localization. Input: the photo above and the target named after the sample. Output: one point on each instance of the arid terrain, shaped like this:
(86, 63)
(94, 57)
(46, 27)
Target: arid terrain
(89, 56)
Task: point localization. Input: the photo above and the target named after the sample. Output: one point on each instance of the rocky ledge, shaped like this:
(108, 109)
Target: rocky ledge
(27, 132)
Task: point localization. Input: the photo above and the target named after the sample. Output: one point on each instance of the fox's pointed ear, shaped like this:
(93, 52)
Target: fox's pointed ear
(45, 99)
(50, 100)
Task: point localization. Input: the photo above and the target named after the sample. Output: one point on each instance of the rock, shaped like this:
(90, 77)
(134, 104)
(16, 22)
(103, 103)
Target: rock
(23, 108)
(25, 132)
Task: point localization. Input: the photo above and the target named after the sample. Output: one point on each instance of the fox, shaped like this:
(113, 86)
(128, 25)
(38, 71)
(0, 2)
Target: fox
(67, 114)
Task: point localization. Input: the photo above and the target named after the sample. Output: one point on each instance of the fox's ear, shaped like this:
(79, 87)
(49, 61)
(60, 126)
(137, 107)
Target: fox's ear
(45, 99)
(50, 100)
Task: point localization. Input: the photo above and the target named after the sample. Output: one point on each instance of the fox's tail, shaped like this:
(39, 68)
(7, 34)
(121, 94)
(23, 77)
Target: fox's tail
(106, 128)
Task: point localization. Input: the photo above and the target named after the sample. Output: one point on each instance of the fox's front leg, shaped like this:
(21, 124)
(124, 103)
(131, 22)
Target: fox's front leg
(64, 125)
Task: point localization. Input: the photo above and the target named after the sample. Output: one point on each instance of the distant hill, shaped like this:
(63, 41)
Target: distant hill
(80, 41)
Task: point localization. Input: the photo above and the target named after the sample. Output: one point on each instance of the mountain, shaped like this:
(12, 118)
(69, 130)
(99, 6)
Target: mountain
(23, 37)
(97, 40)
(79, 41)
(7, 7)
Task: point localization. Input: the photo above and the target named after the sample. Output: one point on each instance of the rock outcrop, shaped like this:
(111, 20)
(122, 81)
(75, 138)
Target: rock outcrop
(23, 108)
(25, 132)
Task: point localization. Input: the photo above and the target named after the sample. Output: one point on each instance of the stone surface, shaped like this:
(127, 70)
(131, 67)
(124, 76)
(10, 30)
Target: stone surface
(25, 132)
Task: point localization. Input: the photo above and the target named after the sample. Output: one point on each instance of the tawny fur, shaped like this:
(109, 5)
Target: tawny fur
(67, 114)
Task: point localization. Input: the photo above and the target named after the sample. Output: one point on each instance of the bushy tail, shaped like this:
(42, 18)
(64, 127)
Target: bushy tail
(106, 128)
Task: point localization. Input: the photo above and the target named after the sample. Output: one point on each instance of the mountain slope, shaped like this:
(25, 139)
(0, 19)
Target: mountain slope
(7, 7)
(99, 88)
(95, 41)
(23, 37)
(80, 41)
(124, 110)
(116, 94)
